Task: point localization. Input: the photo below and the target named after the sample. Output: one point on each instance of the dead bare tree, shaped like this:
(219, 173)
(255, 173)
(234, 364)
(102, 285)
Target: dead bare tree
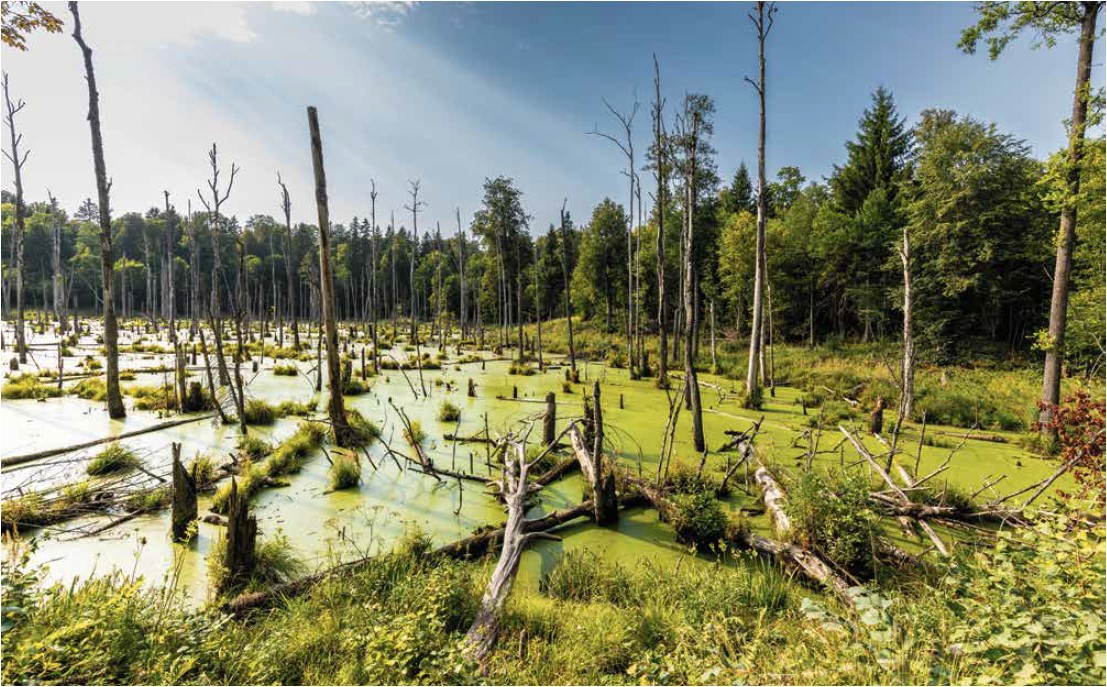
(626, 146)
(215, 223)
(907, 373)
(103, 190)
(57, 265)
(661, 160)
(373, 294)
(763, 24)
(692, 127)
(289, 261)
(573, 374)
(11, 109)
(415, 208)
(336, 409)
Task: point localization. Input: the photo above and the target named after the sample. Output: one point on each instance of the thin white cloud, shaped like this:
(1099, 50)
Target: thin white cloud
(304, 9)
(387, 15)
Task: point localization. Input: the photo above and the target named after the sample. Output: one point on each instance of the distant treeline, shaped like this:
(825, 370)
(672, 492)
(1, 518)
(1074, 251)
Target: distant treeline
(981, 210)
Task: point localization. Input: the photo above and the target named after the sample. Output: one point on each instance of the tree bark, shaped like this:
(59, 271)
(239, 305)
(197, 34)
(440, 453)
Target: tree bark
(662, 187)
(336, 409)
(103, 187)
(1059, 301)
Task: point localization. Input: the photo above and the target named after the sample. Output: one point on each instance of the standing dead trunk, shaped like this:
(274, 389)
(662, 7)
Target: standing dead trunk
(574, 376)
(415, 207)
(184, 497)
(242, 533)
(57, 265)
(289, 262)
(103, 188)
(763, 23)
(20, 231)
(336, 409)
(1059, 301)
(907, 390)
(549, 420)
(601, 479)
(660, 172)
(692, 385)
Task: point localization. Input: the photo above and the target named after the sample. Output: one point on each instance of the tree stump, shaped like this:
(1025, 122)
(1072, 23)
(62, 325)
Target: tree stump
(549, 421)
(242, 533)
(472, 388)
(184, 497)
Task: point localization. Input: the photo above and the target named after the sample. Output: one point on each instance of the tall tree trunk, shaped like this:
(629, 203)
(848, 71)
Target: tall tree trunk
(573, 375)
(289, 262)
(20, 230)
(907, 393)
(103, 186)
(57, 265)
(1059, 302)
(662, 187)
(690, 317)
(343, 434)
(763, 23)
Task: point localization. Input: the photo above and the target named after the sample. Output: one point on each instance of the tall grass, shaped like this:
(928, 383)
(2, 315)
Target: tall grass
(115, 457)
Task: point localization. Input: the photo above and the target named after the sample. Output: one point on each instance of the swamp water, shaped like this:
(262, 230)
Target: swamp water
(324, 526)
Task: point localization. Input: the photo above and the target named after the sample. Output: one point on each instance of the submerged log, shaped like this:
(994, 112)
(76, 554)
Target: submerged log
(28, 457)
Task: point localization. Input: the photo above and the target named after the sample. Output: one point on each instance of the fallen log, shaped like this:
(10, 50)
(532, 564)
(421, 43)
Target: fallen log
(11, 461)
(774, 499)
(482, 634)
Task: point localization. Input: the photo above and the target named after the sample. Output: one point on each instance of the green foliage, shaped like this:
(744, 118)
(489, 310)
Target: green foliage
(698, 519)
(345, 470)
(832, 515)
(202, 469)
(365, 430)
(27, 386)
(253, 447)
(259, 412)
(249, 480)
(285, 370)
(149, 499)
(275, 562)
(448, 412)
(416, 435)
(293, 452)
(115, 457)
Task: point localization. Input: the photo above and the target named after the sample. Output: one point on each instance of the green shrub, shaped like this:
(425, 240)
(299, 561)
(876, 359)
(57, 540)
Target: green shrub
(285, 370)
(296, 408)
(153, 397)
(27, 386)
(416, 435)
(448, 412)
(292, 453)
(259, 412)
(249, 481)
(685, 479)
(355, 387)
(698, 519)
(583, 576)
(115, 457)
(202, 469)
(91, 389)
(275, 562)
(345, 471)
(522, 369)
(833, 515)
(149, 499)
(253, 447)
(365, 430)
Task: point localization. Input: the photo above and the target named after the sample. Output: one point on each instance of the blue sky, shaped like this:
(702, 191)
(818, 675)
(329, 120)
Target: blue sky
(451, 93)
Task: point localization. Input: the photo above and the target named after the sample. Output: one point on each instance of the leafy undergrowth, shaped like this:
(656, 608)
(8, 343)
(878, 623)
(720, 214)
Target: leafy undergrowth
(28, 386)
(1028, 610)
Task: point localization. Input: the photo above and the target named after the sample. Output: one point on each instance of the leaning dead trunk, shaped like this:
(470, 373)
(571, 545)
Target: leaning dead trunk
(335, 406)
(107, 261)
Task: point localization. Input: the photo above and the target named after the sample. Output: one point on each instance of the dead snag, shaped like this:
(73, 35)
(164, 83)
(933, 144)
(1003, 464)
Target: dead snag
(602, 481)
(549, 421)
(184, 497)
(242, 533)
(774, 498)
(482, 634)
